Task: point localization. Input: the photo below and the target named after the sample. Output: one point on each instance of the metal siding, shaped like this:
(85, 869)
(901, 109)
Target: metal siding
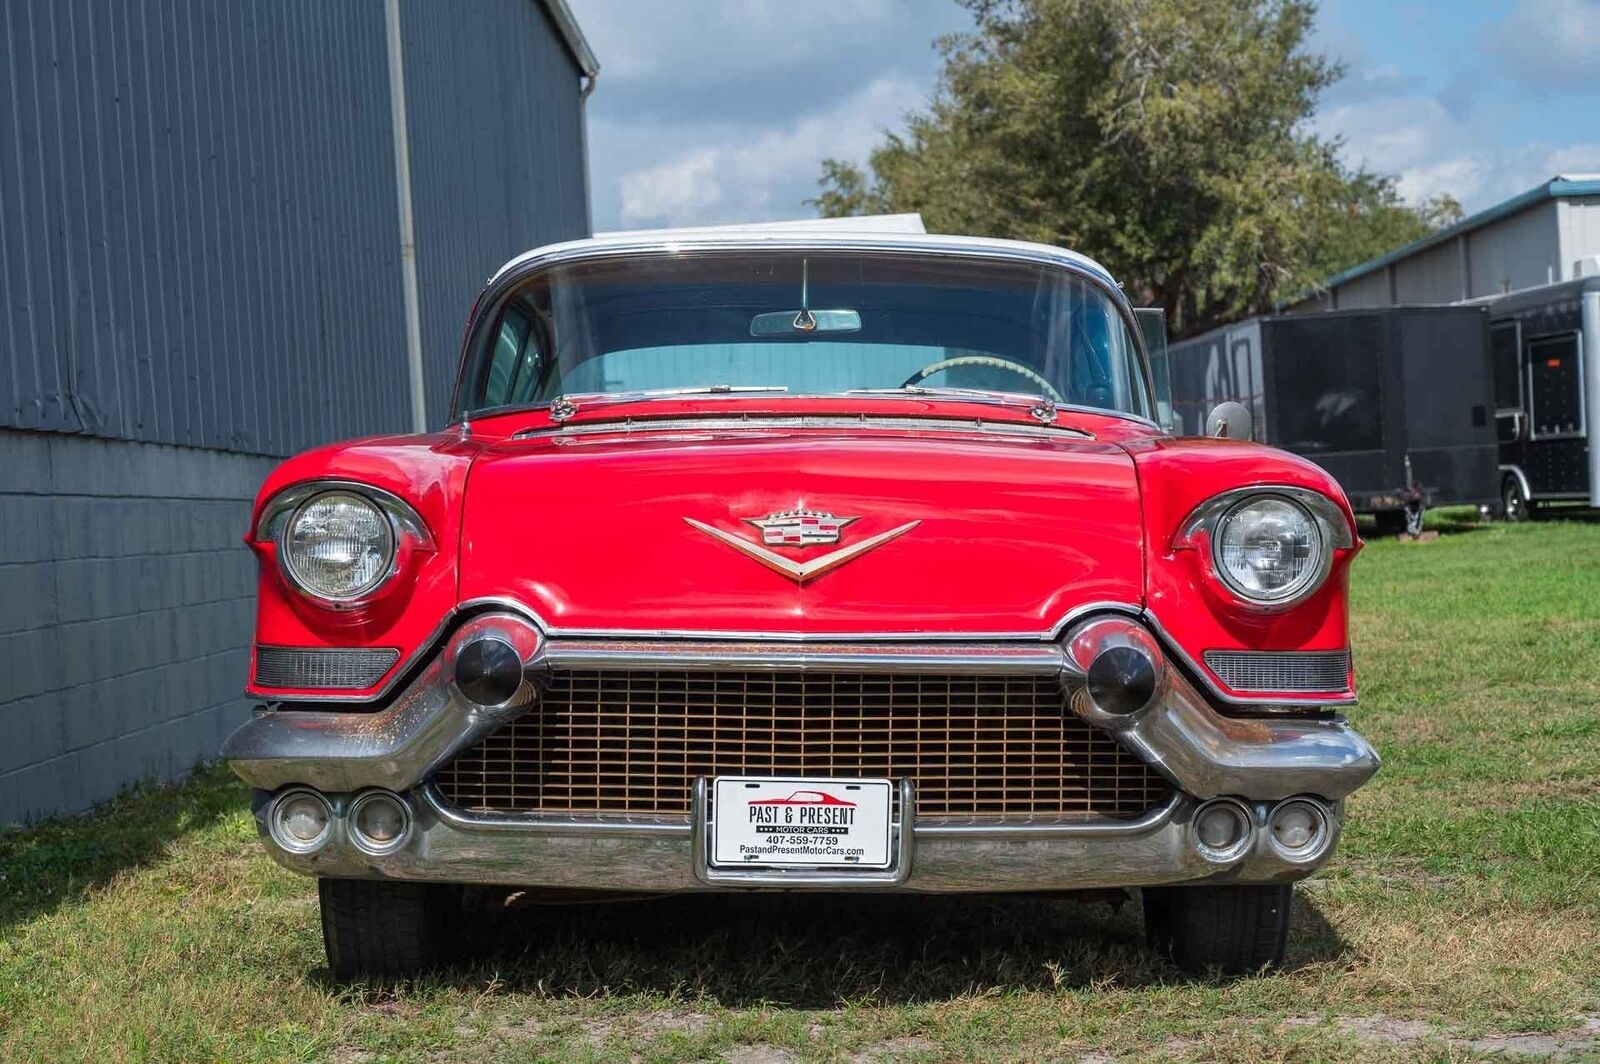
(1522, 251)
(1370, 290)
(197, 223)
(495, 121)
(1431, 276)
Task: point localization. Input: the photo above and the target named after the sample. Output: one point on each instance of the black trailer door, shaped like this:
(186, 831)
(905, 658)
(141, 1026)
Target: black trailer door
(1556, 456)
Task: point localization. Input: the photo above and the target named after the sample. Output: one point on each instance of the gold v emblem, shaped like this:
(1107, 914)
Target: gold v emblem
(800, 572)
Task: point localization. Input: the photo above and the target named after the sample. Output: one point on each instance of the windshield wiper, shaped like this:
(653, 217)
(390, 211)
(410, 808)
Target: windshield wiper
(651, 393)
(972, 393)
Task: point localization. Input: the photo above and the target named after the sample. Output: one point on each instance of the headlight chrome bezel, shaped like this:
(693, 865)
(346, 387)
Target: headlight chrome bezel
(1332, 529)
(406, 534)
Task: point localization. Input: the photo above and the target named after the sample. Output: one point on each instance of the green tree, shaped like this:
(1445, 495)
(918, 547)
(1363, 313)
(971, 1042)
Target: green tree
(1167, 138)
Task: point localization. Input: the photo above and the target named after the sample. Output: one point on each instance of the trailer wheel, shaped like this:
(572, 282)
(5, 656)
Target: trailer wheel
(1413, 519)
(1514, 504)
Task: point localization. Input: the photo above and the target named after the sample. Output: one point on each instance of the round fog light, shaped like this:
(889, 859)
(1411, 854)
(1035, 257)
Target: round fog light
(1299, 829)
(299, 821)
(1222, 830)
(379, 822)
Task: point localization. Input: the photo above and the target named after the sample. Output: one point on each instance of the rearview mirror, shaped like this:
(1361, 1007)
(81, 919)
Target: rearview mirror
(803, 321)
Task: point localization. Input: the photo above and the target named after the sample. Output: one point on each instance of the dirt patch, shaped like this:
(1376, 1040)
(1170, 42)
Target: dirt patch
(757, 1055)
(1583, 1038)
(894, 1049)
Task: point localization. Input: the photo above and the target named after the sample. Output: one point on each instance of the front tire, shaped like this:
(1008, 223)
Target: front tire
(1228, 930)
(386, 930)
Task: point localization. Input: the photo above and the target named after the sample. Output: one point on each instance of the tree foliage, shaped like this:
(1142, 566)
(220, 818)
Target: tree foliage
(1168, 139)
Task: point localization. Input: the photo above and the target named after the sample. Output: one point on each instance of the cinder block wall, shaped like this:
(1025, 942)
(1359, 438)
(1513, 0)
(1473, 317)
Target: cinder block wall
(126, 603)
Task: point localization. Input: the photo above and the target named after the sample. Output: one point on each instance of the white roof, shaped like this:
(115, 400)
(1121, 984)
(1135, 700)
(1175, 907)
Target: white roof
(860, 223)
(818, 232)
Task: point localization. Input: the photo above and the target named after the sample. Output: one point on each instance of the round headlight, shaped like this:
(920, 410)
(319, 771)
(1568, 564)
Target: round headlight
(1269, 549)
(338, 546)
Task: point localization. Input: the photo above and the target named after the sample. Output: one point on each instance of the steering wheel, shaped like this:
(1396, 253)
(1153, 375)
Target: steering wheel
(983, 360)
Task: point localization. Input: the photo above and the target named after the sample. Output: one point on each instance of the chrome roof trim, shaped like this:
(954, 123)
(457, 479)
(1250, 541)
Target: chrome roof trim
(638, 242)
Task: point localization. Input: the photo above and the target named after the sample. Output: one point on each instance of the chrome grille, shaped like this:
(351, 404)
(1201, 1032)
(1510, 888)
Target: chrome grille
(316, 667)
(634, 741)
(1273, 671)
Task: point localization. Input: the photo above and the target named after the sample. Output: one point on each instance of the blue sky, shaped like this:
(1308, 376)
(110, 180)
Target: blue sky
(714, 111)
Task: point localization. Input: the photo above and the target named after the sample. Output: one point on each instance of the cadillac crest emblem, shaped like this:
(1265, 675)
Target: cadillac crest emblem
(799, 528)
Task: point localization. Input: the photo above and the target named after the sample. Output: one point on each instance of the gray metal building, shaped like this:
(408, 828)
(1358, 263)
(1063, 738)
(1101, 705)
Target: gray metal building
(228, 232)
(1550, 233)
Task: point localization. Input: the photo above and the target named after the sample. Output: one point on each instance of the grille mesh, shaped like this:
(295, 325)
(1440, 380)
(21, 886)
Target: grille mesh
(333, 669)
(633, 742)
(1273, 671)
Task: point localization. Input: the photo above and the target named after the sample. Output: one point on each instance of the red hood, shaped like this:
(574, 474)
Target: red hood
(1011, 534)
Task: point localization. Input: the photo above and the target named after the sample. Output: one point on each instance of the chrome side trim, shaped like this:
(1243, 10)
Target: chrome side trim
(1042, 659)
(1171, 646)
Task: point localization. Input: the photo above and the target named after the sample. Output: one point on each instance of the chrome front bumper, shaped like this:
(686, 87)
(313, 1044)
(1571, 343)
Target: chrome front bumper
(1258, 761)
(593, 853)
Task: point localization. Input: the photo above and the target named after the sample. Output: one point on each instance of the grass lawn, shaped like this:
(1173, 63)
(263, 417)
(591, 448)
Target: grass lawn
(1461, 918)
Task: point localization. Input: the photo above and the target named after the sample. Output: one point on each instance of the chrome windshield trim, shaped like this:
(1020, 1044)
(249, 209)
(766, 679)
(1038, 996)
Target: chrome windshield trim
(1042, 659)
(760, 422)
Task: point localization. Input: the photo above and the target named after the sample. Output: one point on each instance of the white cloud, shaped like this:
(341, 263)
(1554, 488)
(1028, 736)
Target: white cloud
(759, 174)
(1432, 150)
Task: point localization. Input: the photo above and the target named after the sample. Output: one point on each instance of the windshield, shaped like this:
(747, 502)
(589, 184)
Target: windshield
(808, 322)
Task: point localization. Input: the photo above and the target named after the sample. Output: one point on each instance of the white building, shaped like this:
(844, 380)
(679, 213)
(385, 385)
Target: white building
(1548, 234)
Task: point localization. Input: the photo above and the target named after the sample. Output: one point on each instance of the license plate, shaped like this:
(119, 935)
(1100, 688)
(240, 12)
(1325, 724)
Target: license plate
(775, 823)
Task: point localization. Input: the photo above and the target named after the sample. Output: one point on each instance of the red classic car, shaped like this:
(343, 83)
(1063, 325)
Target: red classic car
(727, 518)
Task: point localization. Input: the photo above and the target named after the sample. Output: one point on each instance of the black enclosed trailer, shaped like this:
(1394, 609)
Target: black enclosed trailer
(1546, 344)
(1397, 403)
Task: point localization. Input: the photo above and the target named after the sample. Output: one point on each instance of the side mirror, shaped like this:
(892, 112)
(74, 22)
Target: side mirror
(1230, 419)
